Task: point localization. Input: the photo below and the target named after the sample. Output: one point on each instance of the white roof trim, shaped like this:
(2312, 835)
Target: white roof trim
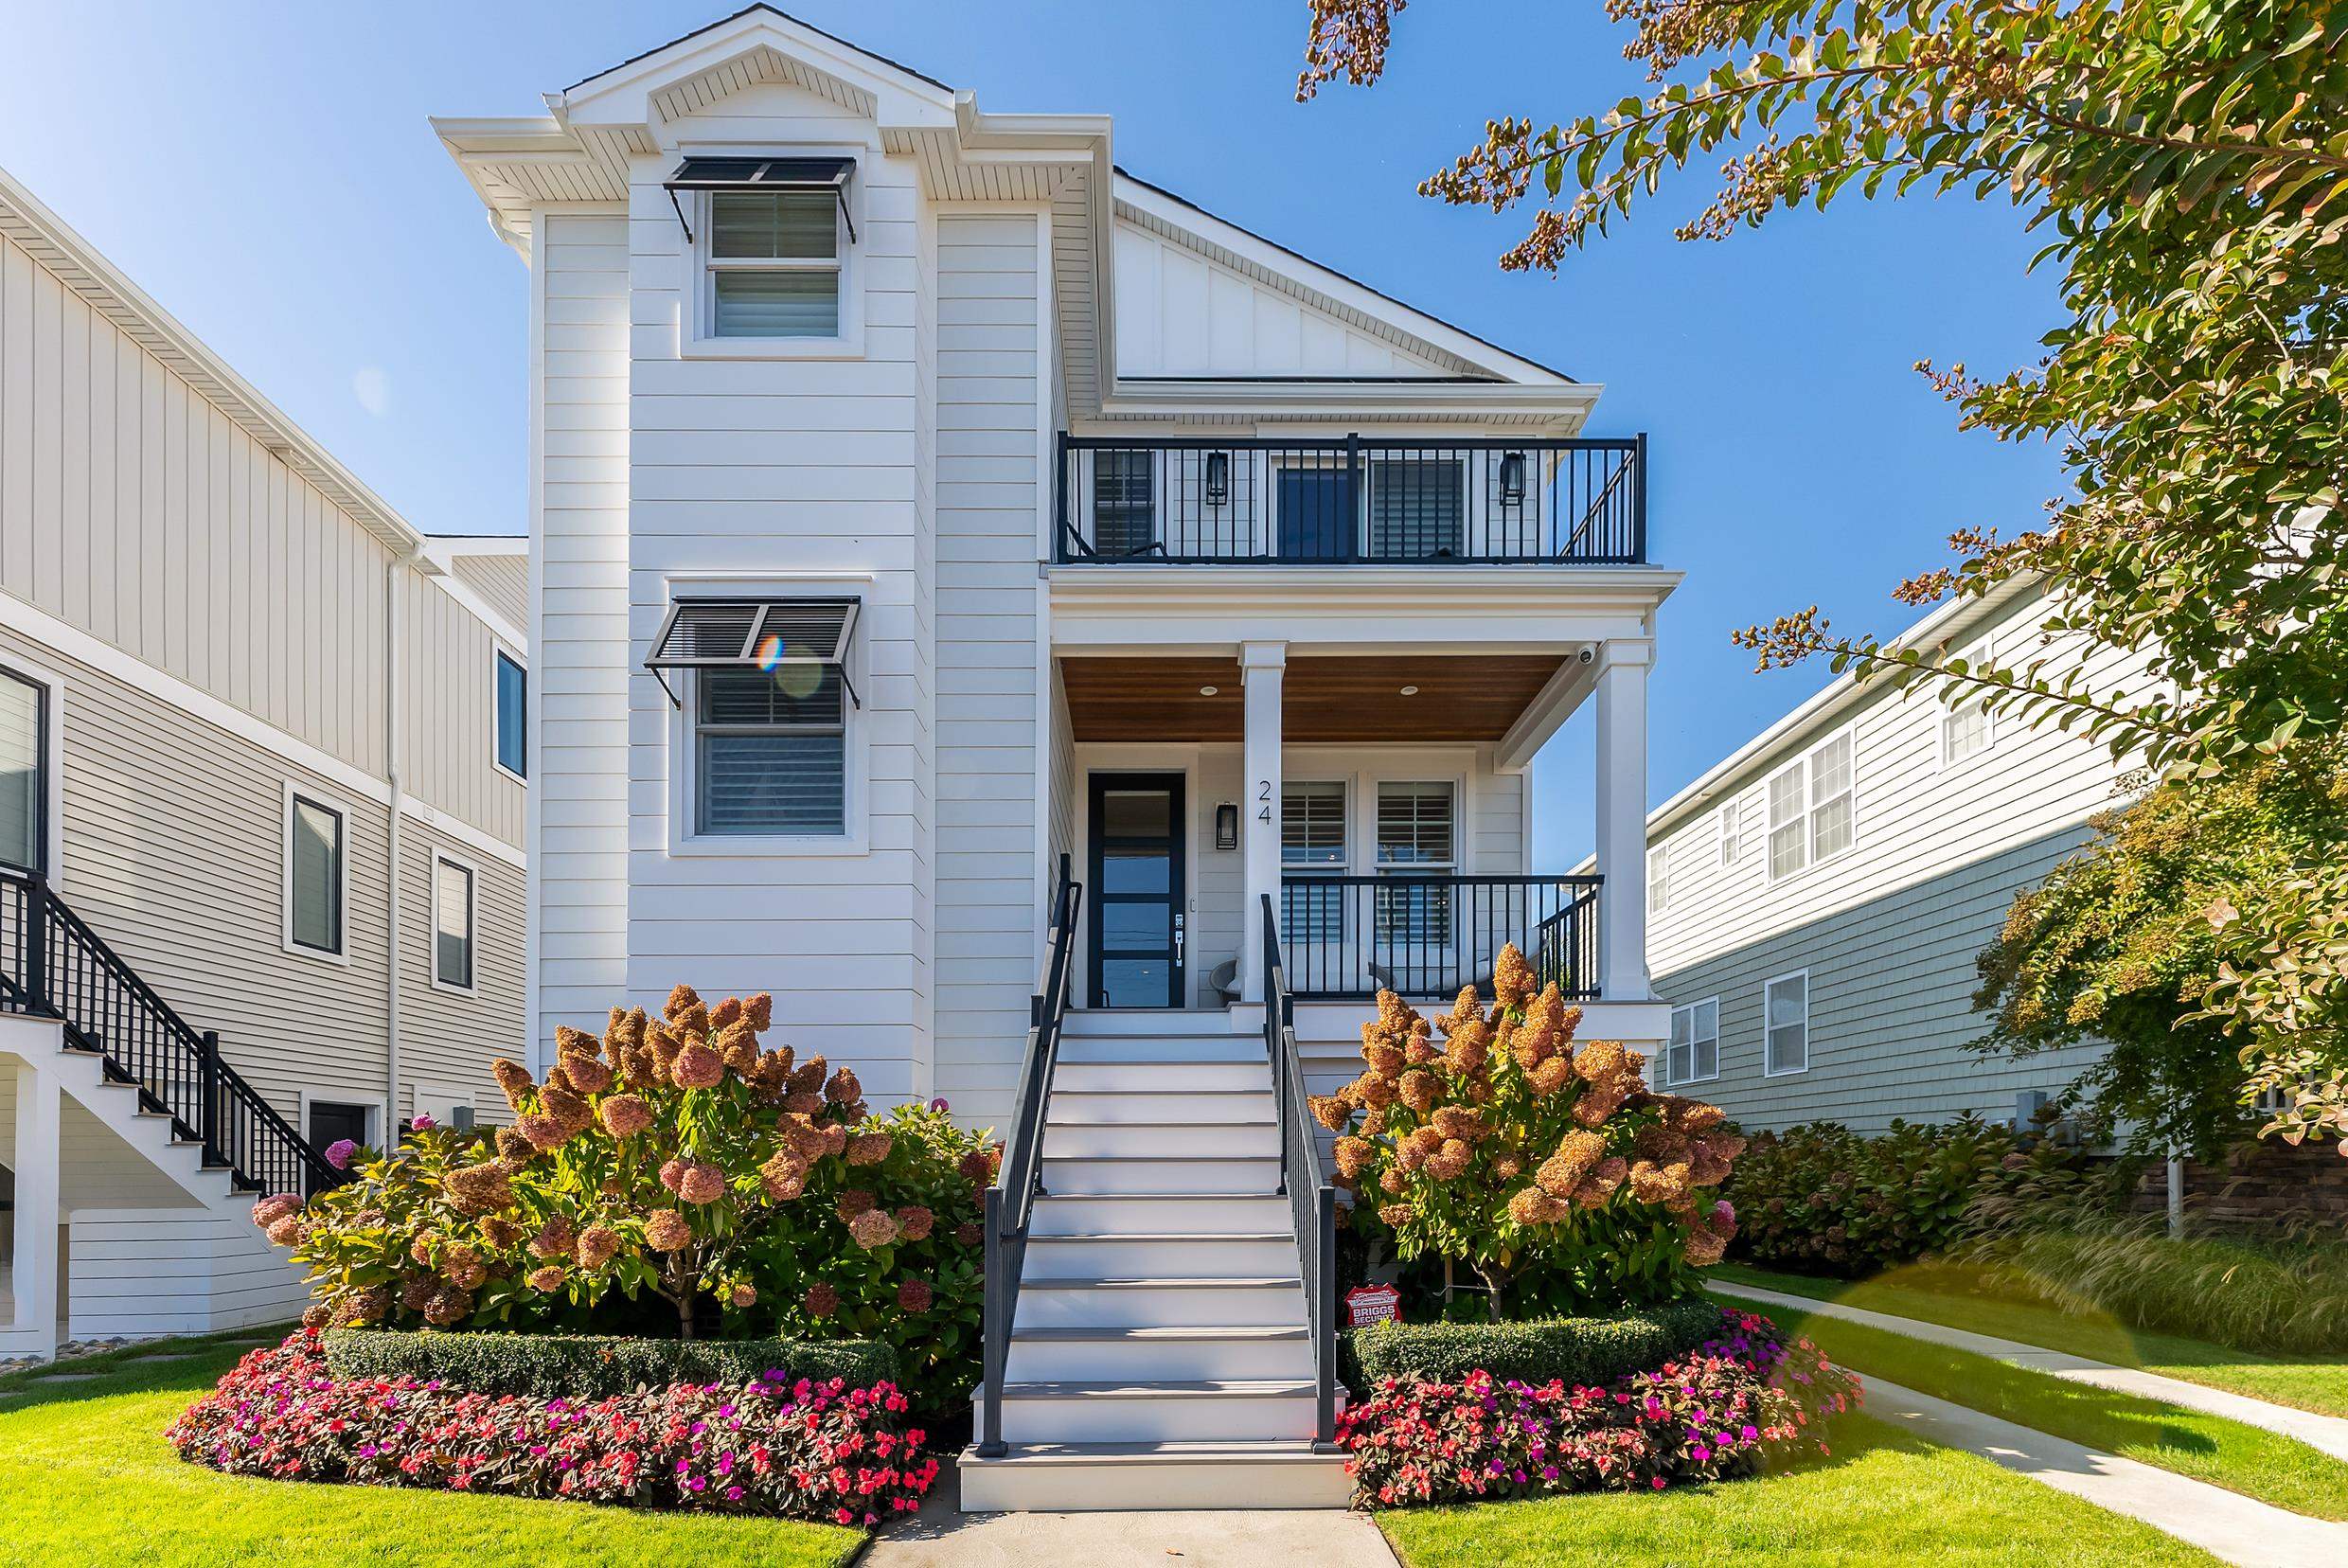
(48, 238)
(625, 92)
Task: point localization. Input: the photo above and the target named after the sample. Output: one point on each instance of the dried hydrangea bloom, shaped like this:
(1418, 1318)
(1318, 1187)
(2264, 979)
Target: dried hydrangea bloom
(835, 1139)
(1707, 1166)
(913, 1295)
(681, 1000)
(514, 1079)
(844, 1086)
(1600, 1061)
(1550, 1076)
(569, 1041)
(977, 1165)
(782, 1185)
(1507, 1168)
(1529, 1048)
(1513, 980)
(869, 1148)
(1654, 1183)
(822, 1300)
(1658, 1143)
(736, 1041)
(969, 1233)
(1354, 1155)
(1598, 1103)
(854, 1202)
(1395, 1013)
(742, 1293)
(704, 1183)
(1329, 1111)
(462, 1266)
(1722, 1219)
(416, 1290)
(1398, 1215)
(625, 1116)
(479, 1188)
(448, 1306)
(1420, 1089)
(759, 1010)
(1471, 1048)
(697, 1067)
(1533, 1206)
(1450, 1162)
(275, 1207)
(1377, 1093)
(1465, 1006)
(1384, 1059)
(1703, 1248)
(665, 1230)
(809, 1075)
(288, 1231)
(318, 1315)
(873, 1228)
(1461, 1122)
(597, 1245)
(803, 1102)
(723, 1016)
(1392, 1182)
(500, 1232)
(546, 1276)
(1373, 1122)
(1419, 1051)
(693, 1025)
(915, 1222)
(588, 1075)
(554, 1237)
(1577, 1153)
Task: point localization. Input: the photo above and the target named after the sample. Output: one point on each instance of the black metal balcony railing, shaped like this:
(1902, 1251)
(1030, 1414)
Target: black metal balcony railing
(1218, 501)
(1427, 935)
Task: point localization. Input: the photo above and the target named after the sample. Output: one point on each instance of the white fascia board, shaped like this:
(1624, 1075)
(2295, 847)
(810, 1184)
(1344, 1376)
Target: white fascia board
(1562, 405)
(622, 96)
(1180, 214)
(1949, 623)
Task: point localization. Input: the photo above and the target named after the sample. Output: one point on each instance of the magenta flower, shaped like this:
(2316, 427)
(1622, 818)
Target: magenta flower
(422, 1123)
(338, 1153)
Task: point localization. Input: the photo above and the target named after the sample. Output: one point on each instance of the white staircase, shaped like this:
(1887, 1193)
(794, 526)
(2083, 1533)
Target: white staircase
(1159, 1355)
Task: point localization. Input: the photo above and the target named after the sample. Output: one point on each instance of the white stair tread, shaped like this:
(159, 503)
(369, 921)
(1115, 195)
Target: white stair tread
(1122, 1093)
(1158, 1159)
(1250, 1388)
(1267, 1450)
(1186, 1122)
(1164, 1236)
(1254, 1283)
(1156, 1333)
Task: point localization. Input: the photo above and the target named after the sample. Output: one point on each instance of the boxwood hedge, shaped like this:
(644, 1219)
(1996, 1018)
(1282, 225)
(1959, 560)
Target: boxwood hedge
(1576, 1350)
(570, 1366)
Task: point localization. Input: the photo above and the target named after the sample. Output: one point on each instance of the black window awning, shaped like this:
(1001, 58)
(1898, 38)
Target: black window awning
(762, 634)
(739, 174)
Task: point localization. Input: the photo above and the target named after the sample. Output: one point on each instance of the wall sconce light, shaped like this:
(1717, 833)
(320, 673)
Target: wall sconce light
(1217, 478)
(1512, 479)
(1227, 826)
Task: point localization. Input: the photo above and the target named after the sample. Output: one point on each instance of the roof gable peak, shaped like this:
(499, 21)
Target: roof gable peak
(753, 47)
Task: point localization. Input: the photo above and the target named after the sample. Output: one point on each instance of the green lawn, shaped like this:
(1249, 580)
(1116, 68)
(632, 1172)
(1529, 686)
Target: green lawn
(1883, 1497)
(2246, 1459)
(85, 1477)
(1942, 1296)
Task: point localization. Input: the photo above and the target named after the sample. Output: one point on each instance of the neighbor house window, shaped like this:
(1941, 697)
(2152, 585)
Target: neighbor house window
(774, 264)
(1695, 1052)
(1786, 1004)
(1964, 725)
(453, 893)
(1418, 506)
(1124, 512)
(1729, 844)
(24, 773)
(1811, 808)
(314, 875)
(1415, 835)
(770, 752)
(1312, 844)
(1657, 878)
(513, 712)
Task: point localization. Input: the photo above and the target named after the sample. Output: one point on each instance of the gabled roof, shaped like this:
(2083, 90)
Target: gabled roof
(750, 10)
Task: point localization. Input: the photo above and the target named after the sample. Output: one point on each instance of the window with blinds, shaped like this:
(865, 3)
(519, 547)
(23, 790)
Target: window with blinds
(24, 773)
(452, 923)
(1125, 510)
(1312, 840)
(770, 752)
(774, 260)
(1418, 507)
(1415, 835)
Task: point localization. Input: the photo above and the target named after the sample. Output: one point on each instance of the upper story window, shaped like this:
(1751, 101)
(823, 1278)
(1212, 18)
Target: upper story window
(24, 773)
(1125, 511)
(316, 874)
(1418, 507)
(774, 264)
(1811, 808)
(452, 905)
(1964, 725)
(1657, 878)
(513, 711)
(1730, 846)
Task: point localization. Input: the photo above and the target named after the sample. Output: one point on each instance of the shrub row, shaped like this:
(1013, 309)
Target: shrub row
(590, 1366)
(1575, 1351)
(827, 1451)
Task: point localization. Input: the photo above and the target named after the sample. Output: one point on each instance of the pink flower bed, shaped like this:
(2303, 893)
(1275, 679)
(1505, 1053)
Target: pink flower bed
(804, 1451)
(1724, 1410)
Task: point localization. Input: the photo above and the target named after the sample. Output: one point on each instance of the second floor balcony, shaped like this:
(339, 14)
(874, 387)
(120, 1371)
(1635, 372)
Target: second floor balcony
(1353, 500)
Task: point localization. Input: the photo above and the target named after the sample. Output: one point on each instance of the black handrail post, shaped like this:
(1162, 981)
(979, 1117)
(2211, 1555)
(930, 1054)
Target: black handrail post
(994, 1332)
(1062, 523)
(1325, 1359)
(36, 938)
(1638, 500)
(207, 1084)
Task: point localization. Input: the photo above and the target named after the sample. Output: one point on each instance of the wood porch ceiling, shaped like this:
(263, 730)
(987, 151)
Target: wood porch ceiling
(1460, 696)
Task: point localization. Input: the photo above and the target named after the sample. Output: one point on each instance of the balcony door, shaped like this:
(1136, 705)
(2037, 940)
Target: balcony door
(1139, 896)
(1315, 511)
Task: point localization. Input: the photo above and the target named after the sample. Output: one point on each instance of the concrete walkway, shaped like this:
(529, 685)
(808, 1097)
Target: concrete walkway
(2328, 1434)
(942, 1537)
(2227, 1524)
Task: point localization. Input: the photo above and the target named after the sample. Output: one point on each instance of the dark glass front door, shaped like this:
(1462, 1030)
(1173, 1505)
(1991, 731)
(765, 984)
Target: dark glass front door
(1316, 513)
(1138, 899)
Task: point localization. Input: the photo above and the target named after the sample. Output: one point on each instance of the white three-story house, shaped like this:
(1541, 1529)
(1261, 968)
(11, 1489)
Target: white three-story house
(923, 506)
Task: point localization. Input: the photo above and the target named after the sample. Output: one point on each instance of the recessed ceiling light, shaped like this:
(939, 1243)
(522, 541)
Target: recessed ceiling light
(1410, 691)
(1207, 691)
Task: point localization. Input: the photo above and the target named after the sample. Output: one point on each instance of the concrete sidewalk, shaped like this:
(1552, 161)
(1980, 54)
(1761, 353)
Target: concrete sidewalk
(2227, 1524)
(2328, 1434)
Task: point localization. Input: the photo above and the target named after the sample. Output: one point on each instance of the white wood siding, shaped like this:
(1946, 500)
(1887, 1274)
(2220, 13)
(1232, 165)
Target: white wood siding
(450, 715)
(989, 784)
(442, 1044)
(580, 672)
(502, 581)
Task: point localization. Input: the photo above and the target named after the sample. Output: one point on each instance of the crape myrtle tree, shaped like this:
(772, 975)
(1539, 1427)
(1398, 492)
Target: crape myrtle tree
(2186, 162)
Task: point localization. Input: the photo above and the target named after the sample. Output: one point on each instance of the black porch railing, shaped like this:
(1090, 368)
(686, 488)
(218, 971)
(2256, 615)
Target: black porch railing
(54, 965)
(1010, 1202)
(1424, 934)
(1313, 1198)
(1220, 501)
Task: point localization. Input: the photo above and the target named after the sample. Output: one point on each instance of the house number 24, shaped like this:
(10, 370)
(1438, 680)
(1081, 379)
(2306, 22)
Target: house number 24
(1263, 793)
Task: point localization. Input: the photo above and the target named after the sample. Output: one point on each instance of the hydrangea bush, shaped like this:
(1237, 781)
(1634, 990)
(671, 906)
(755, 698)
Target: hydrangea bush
(822, 1451)
(1550, 1171)
(1742, 1401)
(678, 1163)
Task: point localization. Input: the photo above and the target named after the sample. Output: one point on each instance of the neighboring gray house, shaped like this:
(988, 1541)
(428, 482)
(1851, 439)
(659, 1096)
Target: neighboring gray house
(1815, 899)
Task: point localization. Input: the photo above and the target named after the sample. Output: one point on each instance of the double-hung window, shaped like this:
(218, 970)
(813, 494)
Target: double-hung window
(513, 707)
(1125, 510)
(316, 874)
(1416, 834)
(1417, 507)
(1785, 1005)
(453, 916)
(1695, 1052)
(1964, 724)
(1729, 839)
(1657, 878)
(1312, 847)
(24, 773)
(774, 264)
(1811, 808)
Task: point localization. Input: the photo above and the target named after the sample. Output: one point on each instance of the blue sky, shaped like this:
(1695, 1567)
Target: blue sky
(266, 173)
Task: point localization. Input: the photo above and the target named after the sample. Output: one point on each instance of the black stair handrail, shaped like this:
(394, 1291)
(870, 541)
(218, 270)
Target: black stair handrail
(1313, 1200)
(1010, 1202)
(54, 965)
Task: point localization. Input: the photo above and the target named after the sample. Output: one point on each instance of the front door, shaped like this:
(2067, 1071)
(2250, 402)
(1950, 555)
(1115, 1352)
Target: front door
(1316, 513)
(1138, 897)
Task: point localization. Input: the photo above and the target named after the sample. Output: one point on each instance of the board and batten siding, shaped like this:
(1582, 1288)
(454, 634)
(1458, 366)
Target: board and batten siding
(502, 581)
(805, 469)
(448, 712)
(579, 669)
(1890, 928)
(989, 783)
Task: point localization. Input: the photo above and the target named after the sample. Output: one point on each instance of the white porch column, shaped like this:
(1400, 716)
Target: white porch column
(1261, 666)
(1622, 818)
(34, 1281)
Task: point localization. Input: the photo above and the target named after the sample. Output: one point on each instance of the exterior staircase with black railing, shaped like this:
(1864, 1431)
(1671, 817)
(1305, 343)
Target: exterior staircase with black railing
(54, 965)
